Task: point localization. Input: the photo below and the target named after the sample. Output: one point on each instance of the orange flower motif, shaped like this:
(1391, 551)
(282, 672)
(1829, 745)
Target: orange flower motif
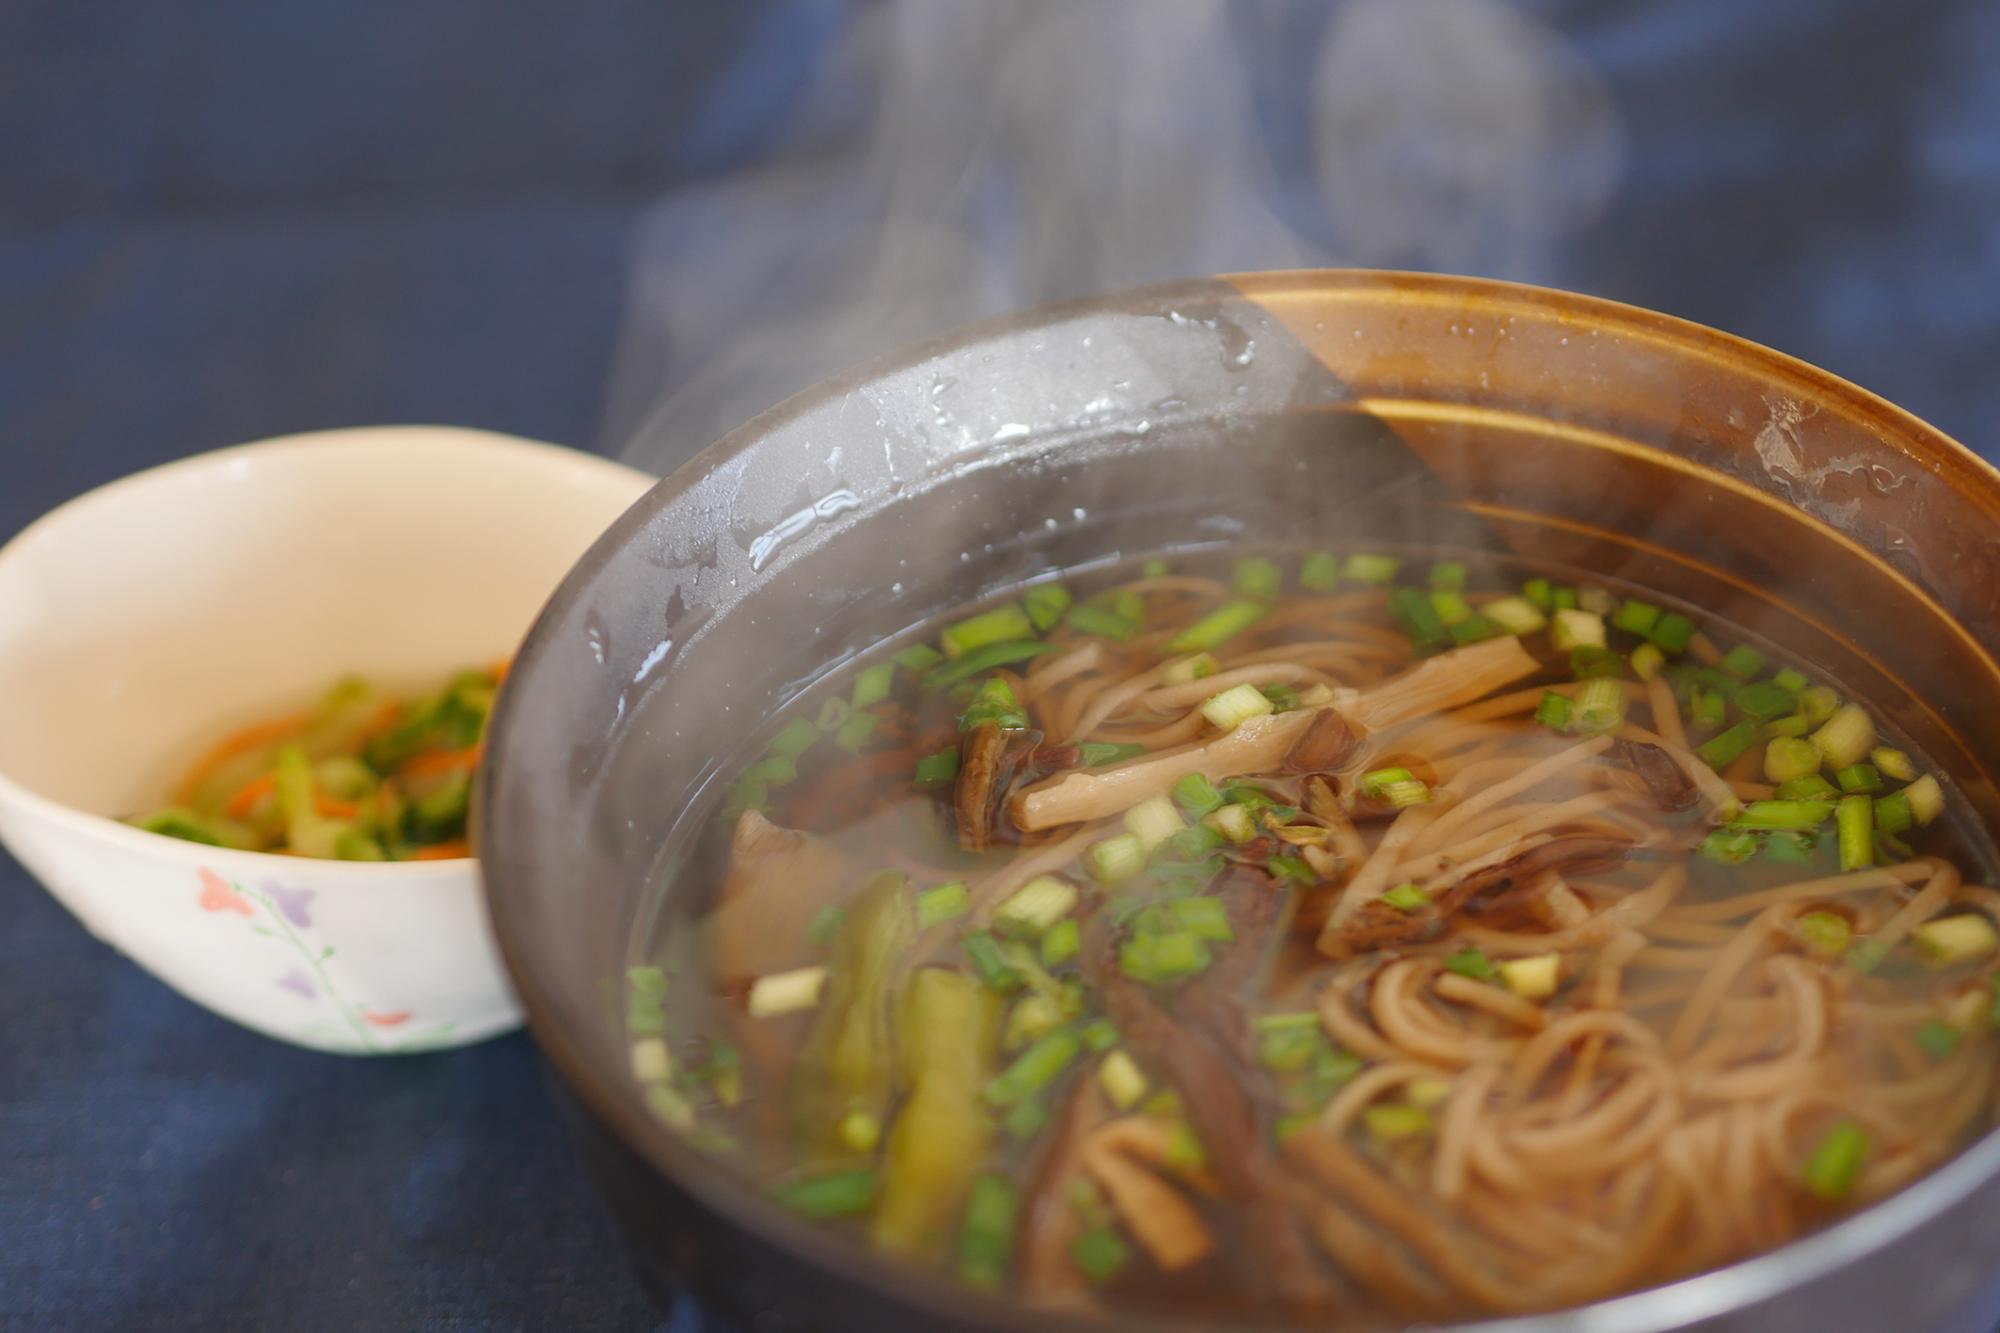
(386, 1020)
(219, 895)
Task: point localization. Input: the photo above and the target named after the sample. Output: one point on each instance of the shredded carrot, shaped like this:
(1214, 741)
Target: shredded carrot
(236, 743)
(245, 798)
(443, 851)
(385, 718)
(334, 809)
(441, 761)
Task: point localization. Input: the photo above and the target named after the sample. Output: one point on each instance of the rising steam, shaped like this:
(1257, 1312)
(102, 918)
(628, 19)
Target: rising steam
(1020, 153)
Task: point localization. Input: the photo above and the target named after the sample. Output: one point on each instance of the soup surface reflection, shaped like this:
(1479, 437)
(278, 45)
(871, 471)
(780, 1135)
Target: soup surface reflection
(1344, 938)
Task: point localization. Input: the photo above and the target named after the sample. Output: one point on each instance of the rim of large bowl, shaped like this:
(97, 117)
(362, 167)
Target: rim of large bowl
(16, 793)
(601, 1089)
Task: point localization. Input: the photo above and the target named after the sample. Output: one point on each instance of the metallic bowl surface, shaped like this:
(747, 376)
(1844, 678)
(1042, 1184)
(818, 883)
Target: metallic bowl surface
(1334, 405)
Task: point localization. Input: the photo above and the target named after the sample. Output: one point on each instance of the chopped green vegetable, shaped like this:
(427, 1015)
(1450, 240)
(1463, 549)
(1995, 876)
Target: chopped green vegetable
(871, 686)
(1152, 822)
(1647, 661)
(986, 1236)
(944, 903)
(1724, 748)
(1538, 594)
(1809, 787)
(1791, 679)
(1390, 1122)
(1893, 764)
(1045, 603)
(995, 702)
(1037, 905)
(833, 1194)
(1034, 1069)
(1743, 661)
(1154, 569)
(1859, 778)
(1472, 962)
(1419, 620)
(1937, 1039)
(1765, 699)
(1926, 798)
(854, 733)
(1836, 1161)
(1791, 848)
(1234, 706)
(1061, 943)
(1288, 1050)
(1515, 615)
(1105, 623)
(1115, 860)
(1671, 632)
(1096, 754)
(985, 659)
(1294, 869)
(1362, 568)
(1451, 607)
(1448, 576)
(934, 770)
(1259, 578)
(1026, 1119)
(1599, 706)
(1407, 898)
(1783, 815)
(1474, 629)
(1196, 795)
(983, 951)
(847, 1063)
(1854, 816)
(1159, 958)
(1319, 571)
(1635, 617)
(796, 738)
(825, 924)
(1099, 1254)
(1562, 599)
(1846, 737)
(1893, 813)
(1787, 759)
(919, 657)
(1099, 1036)
(1825, 934)
(1729, 846)
(1000, 625)
(1554, 710)
(1217, 627)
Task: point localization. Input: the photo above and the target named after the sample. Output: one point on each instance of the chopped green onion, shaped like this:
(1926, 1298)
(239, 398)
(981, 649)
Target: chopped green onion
(1894, 764)
(1562, 599)
(1034, 1069)
(1537, 593)
(1129, 606)
(1088, 619)
(1789, 848)
(1954, 939)
(1037, 905)
(1599, 706)
(1217, 627)
(648, 981)
(1575, 629)
(1788, 760)
(1635, 617)
(1836, 1161)
(1451, 607)
(992, 966)
(1235, 706)
(1721, 750)
(1122, 1080)
(1206, 918)
(1297, 1018)
(1859, 778)
(1187, 670)
(1792, 815)
(1000, 625)
(1598, 601)
(1792, 726)
(772, 771)
(1233, 822)
(944, 903)
(986, 1236)
(786, 992)
(1159, 958)
(795, 738)
(1370, 568)
(1818, 703)
(1407, 898)
(1866, 955)
(1154, 569)
(1448, 576)
(1193, 842)
(1259, 578)
(1706, 708)
(1196, 795)
(1319, 571)
(1474, 629)
(854, 733)
(1388, 1123)
(1471, 962)
(1419, 620)
(1589, 662)
(1099, 1036)
(836, 1194)
(1743, 661)
(825, 924)
(1115, 860)
(1534, 978)
(1765, 699)
(1046, 603)
(1026, 1119)
(995, 702)
(1061, 942)
(1288, 1050)
(1825, 934)
(985, 659)
(1152, 822)
(1033, 1016)
(1890, 849)
(919, 657)
(1937, 1039)
(1809, 787)
(1096, 754)
(871, 686)
(1294, 869)
(1647, 661)
(1846, 737)
(934, 770)
(1729, 846)
(1515, 615)
(832, 713)
(1791, 679)
(1855, 818)
(1098, 1254)
(1672, 632)
(1554, 710)
(1926, 798)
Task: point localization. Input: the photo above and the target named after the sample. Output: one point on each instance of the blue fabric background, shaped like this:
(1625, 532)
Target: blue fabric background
(228, 220)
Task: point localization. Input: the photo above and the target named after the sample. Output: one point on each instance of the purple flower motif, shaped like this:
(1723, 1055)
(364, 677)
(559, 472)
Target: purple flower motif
(299, 983)
(292, 902)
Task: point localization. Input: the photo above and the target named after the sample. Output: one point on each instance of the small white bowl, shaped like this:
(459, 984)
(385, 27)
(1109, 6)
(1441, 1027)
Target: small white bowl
(140, 622)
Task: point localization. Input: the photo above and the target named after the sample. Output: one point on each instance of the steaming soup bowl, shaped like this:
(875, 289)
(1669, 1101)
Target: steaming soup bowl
(1352, 408)
(144, 620)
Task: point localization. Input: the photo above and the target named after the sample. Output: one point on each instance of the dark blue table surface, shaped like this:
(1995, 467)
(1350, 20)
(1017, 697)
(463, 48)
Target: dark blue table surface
(234, 220)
